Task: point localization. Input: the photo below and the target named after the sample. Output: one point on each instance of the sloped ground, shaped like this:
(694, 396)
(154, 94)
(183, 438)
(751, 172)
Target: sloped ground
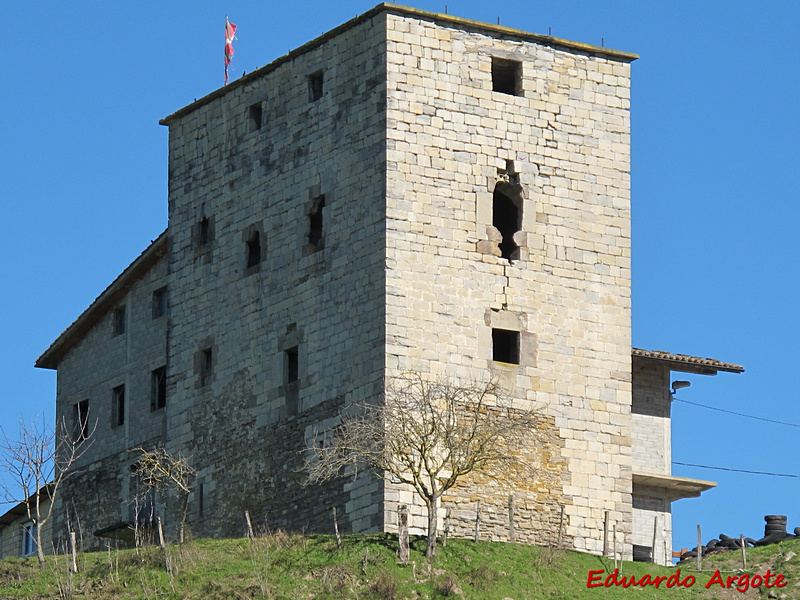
(293, 567)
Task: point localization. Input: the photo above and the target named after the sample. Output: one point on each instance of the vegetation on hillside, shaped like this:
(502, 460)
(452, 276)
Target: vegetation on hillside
(285, 566)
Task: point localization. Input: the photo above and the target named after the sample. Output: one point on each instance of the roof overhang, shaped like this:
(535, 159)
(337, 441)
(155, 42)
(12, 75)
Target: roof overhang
(676, 487)
(685, 363)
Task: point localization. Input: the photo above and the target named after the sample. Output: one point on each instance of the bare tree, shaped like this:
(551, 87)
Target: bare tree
(426, 434)
(160, 471)
(38, 461)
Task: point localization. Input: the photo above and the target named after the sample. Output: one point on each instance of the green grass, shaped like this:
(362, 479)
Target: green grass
(281, 566)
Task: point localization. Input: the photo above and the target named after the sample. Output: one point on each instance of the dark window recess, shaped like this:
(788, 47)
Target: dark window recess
(315, 86)
(158, 388)
(200, 499)
(254, 250)
(119, 320)
(507, 218)
(505, 346)
(118, 406)
(292, 365)
(256, 116)
(204, 231)
(506, 76)
(159, 302)
(642, 553)
(206, 366)
(316, 223)
(80, 420)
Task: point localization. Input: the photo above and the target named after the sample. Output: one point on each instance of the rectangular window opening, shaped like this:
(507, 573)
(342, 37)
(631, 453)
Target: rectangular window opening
(118, 406)
(505, 346)
(80, 421)
(256, 116)
(29, 539)
(292, 365)
(159, 302)
(507, 76)
(203, 231)
(119, 320)
(315, 86)
(254, 250)
(315, 231)
(158, 389)
(206, 366)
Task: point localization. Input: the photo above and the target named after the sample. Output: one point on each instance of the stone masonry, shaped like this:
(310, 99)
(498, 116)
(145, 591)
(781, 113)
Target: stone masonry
(410, 191)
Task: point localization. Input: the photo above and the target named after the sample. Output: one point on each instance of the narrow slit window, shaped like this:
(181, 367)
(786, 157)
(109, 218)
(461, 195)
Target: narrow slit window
(315, 231)
(119, 320)
(118, 406)
(505, 346)
(507, 218)
(158, 389)
(206, 366)
(315, 88)
(204, 231)
(80, 427)
(254, 250)
(506, 76)
(292, 365)
(159, 302)
(256, 116)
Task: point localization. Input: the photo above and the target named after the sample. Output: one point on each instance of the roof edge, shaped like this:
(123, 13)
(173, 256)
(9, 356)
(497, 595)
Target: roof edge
(686, 363)
(399, 9)
(50, 357)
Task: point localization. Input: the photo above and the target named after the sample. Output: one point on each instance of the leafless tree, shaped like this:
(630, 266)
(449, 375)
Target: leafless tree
(426, 434)
(159, 471)
(37, 462)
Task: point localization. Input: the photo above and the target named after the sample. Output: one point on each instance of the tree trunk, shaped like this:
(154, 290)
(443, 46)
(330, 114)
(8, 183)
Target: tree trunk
(432, 525)
(39, 547)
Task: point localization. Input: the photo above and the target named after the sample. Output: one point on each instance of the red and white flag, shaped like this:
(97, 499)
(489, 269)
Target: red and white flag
(230, 35)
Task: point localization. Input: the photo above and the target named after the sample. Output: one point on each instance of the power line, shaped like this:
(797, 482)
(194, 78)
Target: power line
(736, 470)
(738, 414)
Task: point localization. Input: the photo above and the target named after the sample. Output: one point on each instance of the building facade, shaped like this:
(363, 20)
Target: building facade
(410, 191)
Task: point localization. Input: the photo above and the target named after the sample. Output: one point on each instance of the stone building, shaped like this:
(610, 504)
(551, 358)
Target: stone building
(408, 191)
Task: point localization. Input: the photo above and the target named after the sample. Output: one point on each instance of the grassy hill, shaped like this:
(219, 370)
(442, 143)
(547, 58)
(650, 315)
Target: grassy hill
(294, 567)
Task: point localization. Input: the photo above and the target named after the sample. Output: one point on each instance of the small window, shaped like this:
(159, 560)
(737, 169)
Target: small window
(292, 365)
(507, 218)
(203, 232)
(254, 250)
(119, 320)
(80, 421)
(201, 499)
(506, 76)
(158, 388)
(159, 302)
(315, 86)
(505, 346)
(29, 539)
(118, 406)
(206, 366)
(256, 116)
(315, 238)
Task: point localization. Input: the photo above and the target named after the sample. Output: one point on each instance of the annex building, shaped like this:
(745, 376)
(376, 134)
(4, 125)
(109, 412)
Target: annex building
(409, 191)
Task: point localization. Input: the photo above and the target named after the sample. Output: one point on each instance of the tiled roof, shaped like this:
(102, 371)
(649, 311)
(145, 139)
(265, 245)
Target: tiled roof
(686, 363)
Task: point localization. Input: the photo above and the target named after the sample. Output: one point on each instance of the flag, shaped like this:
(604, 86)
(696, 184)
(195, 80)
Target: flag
(230, 31)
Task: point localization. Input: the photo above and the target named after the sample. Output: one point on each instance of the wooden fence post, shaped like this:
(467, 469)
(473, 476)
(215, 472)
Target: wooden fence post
(605, 535)
(73, 542)
(250, 533)
(699, 550)
(744, 552)
(560, 526)
(446, 528)
(336, 530)
(478, 522)
(402, 533)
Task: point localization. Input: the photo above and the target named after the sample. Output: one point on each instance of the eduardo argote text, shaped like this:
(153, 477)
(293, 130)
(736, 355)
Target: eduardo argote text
(741, 583)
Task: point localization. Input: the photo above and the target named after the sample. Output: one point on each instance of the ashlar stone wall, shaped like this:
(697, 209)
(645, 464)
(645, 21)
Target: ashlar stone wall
(558, 147)
(267, 345)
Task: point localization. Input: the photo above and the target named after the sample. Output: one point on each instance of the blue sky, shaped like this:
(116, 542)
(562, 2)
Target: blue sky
(714, 145)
